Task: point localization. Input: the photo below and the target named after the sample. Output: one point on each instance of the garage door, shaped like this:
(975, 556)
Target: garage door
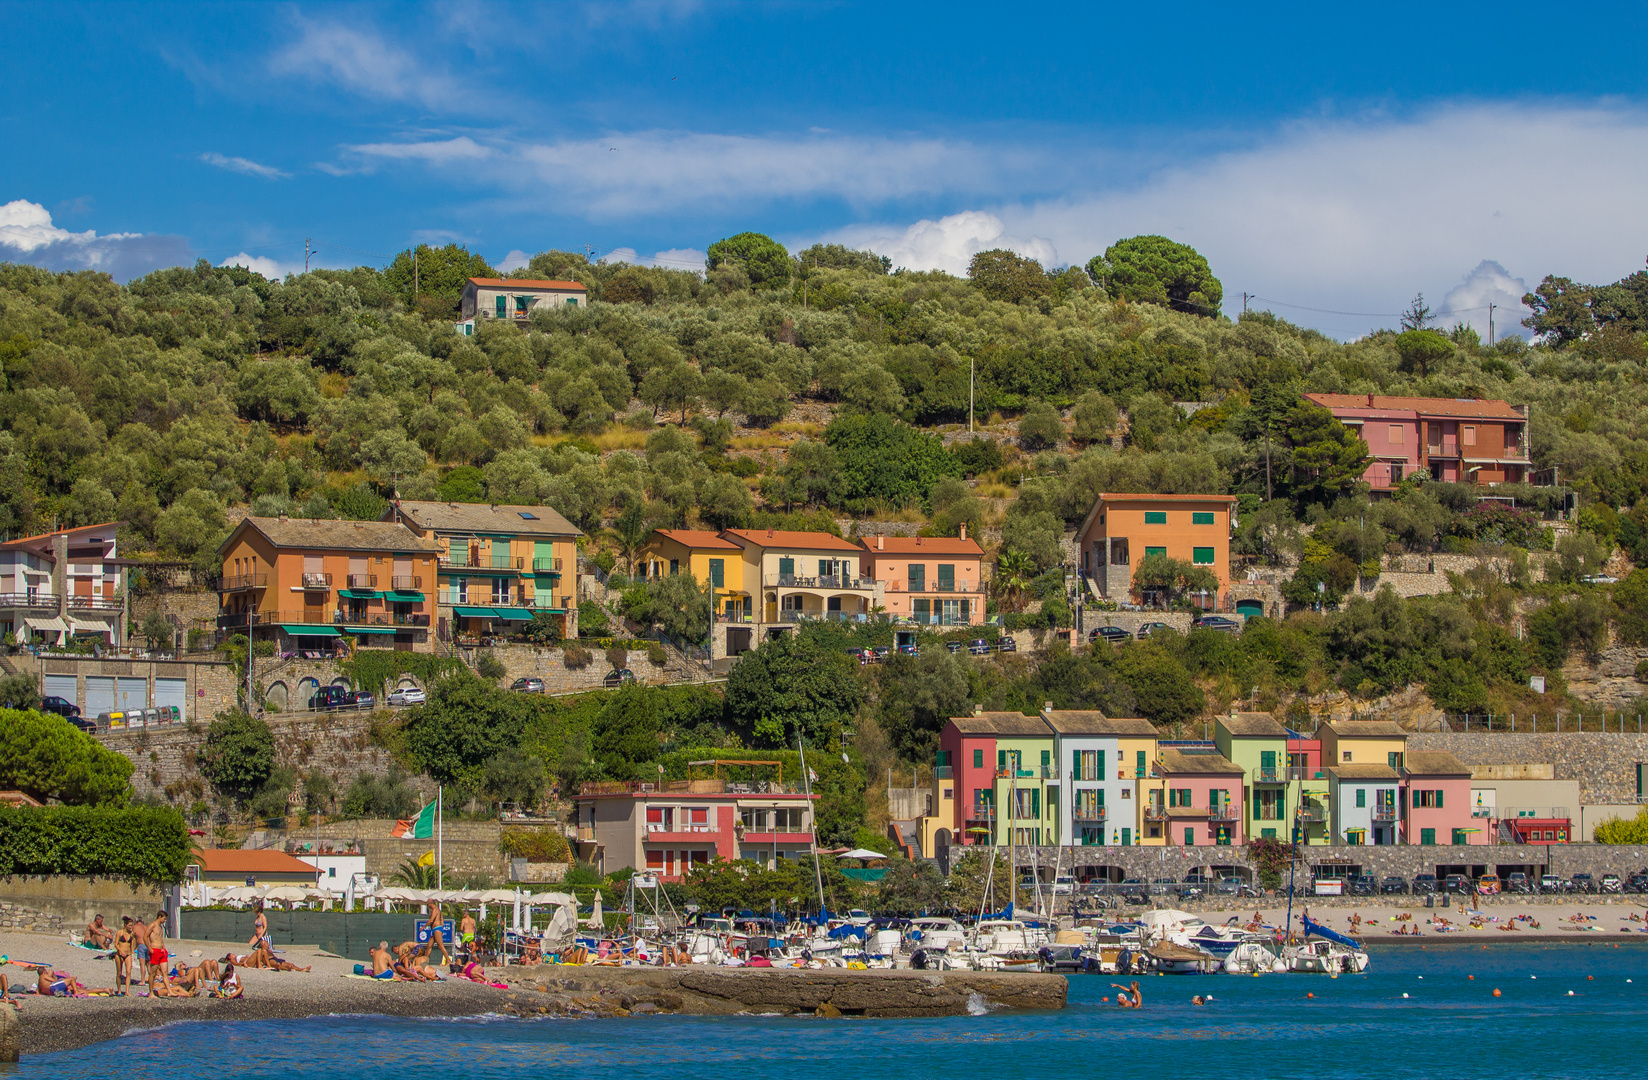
(62, 686)
(99, 695)
(131, 694)
(172, 692)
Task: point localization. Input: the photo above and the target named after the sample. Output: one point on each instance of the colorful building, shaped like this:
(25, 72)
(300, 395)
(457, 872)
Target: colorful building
(1122, 530)
(1364, 800)
(1257, 744)
(1438, 800)
(61, 586)
(1362, 742)
(1098, 804)
(1464, 440)
(1196, 798)
(500, 566)
(713, 561)
(1000, 778)
(804, 575)
(1313, 812)
(928, 580)
(305, 583)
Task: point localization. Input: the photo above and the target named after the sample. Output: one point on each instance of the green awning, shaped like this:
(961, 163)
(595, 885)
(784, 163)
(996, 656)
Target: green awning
(305, 630)
(475, 612)
(399, 597)
(359, 594)
(512, 614)
(369, 630)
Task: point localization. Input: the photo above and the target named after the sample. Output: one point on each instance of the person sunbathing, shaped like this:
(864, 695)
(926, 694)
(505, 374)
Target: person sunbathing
(53, 983)
(473, 972)
(275, 963)
(228, 986)
(161, 985)
(244, 960)
(383, 963)
(98, 934)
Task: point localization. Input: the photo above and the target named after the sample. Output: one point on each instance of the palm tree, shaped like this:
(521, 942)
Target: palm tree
(631, 530)
(415, 875)
(1014, 572)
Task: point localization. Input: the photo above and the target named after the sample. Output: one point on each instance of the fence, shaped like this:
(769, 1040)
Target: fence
(351, 934)
(1558, 723)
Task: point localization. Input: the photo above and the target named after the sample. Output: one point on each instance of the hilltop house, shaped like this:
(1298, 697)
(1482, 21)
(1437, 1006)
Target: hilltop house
(929, 580)
(516, 298)
(1463, 440)
(59, 586)
(1122, 530)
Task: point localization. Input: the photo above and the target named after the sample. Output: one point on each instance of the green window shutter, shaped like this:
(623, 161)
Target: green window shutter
(1100, 755)
(1459, 836)
(1256, 803)
(1439, 798)
(1202, 556)
(572, 301)
(1035, 802)
(1390, 759)
(1101, 797)
(1361, 797)
(1190, 837)
(921, 608)
(502, 306)
(978, 759)
(1140, 770)
(1427, 837)
(786, 567)
(947, 575)
(1152, 552)
(718, 573)
(1201, 517)
(1267, 759)
(1001, 760)
(1155, 517)
(1046, 758)
(918, 577)
(1075, 764)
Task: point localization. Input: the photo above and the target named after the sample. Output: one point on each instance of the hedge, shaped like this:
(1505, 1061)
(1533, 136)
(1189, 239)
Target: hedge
(141, 844)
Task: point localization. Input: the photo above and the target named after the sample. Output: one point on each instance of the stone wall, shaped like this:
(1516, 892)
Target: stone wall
(73, 900)
(16, 917)
(187, 609)
(1604, 764)
(212, 684)
(467, 847)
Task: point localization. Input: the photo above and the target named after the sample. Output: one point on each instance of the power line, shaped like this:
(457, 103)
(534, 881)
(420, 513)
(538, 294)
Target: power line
(1364, 314)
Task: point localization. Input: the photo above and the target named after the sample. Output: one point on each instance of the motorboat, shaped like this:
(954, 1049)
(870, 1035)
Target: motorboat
(1003, 936)
(1322, 957)
(1218, 940)
(934, 933)
(1253, 957)
(1174, 959)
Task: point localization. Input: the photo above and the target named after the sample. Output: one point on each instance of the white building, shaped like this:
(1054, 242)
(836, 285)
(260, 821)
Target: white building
(335, 870)
(1364, 800)
(517, 298)
(1099, 793)
(63, 585)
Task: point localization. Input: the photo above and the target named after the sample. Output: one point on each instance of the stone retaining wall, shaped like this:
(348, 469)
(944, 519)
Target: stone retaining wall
(1604, 764)
(16, 917)
(64, 902)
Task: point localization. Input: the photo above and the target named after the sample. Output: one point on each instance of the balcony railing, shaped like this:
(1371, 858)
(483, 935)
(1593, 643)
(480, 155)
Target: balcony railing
(826, 616)
(944, 772)
(1081, 812)
(317, 581)
(546, 566)
(982, 812)
(1155, 812)
(239, 582)
(1226, 812)
(1273, 775)
(95, 603)
(933, 587)
(409, 620)
(1384, 813)
(1312, 813)
(361, 581)
(462, 561)
(406, 583)
(796, 581)
(722, 616)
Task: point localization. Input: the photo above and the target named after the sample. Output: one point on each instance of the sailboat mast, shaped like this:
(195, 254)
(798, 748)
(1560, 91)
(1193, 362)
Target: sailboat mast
(812, 813)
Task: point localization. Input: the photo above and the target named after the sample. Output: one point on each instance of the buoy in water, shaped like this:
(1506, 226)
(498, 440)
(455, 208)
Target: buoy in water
(1404, 995)
(1471, 977)
(1570, 993)
(1496, 991)
(1590, 978)
(1310, 995)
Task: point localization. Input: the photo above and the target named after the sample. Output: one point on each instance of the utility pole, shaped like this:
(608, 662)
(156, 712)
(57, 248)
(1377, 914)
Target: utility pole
(1491, 325)
(1244, 302)
(1267, 461)
(970, 365)
(414, 275)
(307, 252)
(251, 650)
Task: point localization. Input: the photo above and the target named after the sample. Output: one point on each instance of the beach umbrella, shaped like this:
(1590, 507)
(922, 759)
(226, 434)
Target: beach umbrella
(496, 896)
(596, 922)
(861, 853)
(287, 894)
(557, 898)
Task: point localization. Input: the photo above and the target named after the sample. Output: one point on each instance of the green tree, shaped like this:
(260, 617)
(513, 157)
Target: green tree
(676, 604)
(840, 257)
(1155, 270)
(1041, 427)
(1328, 457)
(917, 696)
(158, 629)
(1175, 577)
(791, 684)
(239, 754)
(463, 725)
(761, 257)
(513, 776)
(1037, 535)
(440, 276)
(19, 692)
(1422, 350)
(1094, 417)
(910, 889)
(626, 733)
(1006, 275)
(46, 757)
(881, 460)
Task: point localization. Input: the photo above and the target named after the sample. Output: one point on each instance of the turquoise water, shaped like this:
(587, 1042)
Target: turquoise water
(1449, 1026)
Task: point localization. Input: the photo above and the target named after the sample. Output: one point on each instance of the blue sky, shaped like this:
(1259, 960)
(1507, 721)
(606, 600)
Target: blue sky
(1332, 159)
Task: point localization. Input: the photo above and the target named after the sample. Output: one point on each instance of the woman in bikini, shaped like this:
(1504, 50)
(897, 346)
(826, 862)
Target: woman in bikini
(229, 985)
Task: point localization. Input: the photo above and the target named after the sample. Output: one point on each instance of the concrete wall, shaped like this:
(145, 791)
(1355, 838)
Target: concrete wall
(75, 899)
(212, 684)
(467, 847)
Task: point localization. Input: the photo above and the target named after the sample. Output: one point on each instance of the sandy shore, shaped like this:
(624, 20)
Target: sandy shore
(1381, 917)
(53, 1024)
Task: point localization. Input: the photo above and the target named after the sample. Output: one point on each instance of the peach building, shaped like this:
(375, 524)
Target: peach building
(1122, 530)
(931, 580)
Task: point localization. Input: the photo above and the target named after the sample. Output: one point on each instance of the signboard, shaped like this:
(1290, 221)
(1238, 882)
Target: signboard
(1330, 887)
(422, 933)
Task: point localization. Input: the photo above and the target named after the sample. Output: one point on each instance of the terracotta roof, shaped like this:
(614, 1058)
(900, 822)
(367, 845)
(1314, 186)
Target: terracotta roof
(1252, 723)
(1130, 496)
(1093, 722)
(1363, 772)
(333, 535)
(1366, 729)
(22, 540)
(240, 861)
(1177, 761)
(526, 283)
(1010, 724)
(1480, 408)
(18, 798)
(781, 538)
(697, 538)
(921, 545)
(1434, 763)
(482, 518)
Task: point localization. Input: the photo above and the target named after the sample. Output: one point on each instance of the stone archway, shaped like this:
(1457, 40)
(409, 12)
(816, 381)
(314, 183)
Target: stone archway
(277, 697)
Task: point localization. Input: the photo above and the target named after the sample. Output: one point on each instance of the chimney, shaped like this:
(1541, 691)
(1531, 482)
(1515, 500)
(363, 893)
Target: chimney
(918, 541)
(1370, 401)
(881, 542)
(283, 517)
(964, 530)
(769, 534)
(978, 710)
(1047, 707)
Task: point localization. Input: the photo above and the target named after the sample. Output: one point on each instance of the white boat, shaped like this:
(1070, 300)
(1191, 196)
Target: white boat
(1324, 958)
(1003, 936)
(934, 933)
(1252, 958)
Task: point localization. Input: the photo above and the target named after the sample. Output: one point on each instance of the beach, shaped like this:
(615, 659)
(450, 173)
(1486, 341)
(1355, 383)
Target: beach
(1543, 919)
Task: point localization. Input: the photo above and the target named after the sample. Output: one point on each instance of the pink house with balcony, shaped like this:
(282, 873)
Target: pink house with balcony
(667, 828)
(1196, 798)
(928, 580)
(1459, 440)
(1436, 800)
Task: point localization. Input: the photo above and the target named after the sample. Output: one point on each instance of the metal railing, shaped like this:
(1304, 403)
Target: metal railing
(982, 812)
(1384, 813)
(1155, 812)
(937, 586)
(825, 616)
(1226, 812)
(237, 582)
(317, 581)
(95, 603)
(361, 581)
(462, 561)
(796, 581)
(1082, 812)
(1272, 775)
(406, 583)
(546, 566)
(28, 599)
(944, 772)
(1312, 813)
(409, 620)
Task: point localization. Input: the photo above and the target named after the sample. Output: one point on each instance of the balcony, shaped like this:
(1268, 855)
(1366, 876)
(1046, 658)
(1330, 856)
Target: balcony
(94, 603)
(796, 616)
(940, 586)
(944, 772)
(982, 812)
(317, 581)
(242, 582)
(722, 616)
(1084, 812)
(1155, 812)
(1270, 776)
(681, 828)
(406, 583)
(361, 581)
(546, 566)
(795, 581)
(1384, 813)
(1227, 812)
(462, 561)
(409, 620)
(1311, 814)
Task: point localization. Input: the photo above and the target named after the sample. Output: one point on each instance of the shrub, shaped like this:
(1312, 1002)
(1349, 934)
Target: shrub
(381, 797)
(576, 657)
(618, 657)
(489, 666)
(535, 845)
(656, 654)
(239, 754)
(140, 844)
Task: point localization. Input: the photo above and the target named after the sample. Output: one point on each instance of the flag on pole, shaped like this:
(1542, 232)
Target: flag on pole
(421, 827)
(428, 858)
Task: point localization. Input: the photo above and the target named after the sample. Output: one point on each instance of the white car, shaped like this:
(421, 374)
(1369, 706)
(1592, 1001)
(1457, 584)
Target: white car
(407, 695)
(1064, 886)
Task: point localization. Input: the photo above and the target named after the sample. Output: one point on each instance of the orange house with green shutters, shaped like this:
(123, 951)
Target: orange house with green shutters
(1122, 530)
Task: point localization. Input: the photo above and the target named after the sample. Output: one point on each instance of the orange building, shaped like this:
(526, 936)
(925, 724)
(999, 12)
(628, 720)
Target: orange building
(1124, 529)
(930, 580)
(305, 583)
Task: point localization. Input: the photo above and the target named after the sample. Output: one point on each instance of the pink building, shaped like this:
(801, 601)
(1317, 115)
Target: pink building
(929, 580)
(1197, 800)
(1465, 440)
(1437, 800)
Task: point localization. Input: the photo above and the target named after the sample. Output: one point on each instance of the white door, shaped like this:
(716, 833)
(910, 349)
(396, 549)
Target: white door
(172, 692)
(62, 686)
(99, 695)
(131, 694)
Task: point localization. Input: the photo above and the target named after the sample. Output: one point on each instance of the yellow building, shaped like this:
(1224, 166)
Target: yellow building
(1363, 742)
(1136, 761)
(710, 559)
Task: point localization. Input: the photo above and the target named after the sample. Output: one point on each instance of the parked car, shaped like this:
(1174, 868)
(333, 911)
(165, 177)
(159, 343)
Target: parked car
(1488, 885)
(1424, 884)
(1552, 883)
(1110, 634)
(952, 647)
(360, 699)
(618, 677)
(908, 650)
(1598, 579)
(1063, 886)
(1456, 883)
(1364, 885)
(407, 695)
(328, 697)
(979, 647)
(1637, 883)
(1150, 628)
(528, 685)
(1393, 884)
(1163, 886)
(1610, 883)
(1006, 643)
(1518, 882)
(51, 703)
(881, 652)
(1581, 883)
(1218, 622)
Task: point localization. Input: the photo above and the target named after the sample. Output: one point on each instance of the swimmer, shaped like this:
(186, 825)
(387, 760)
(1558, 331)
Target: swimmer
(1198, 1000)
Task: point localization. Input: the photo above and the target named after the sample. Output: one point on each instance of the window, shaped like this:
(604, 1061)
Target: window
(526, 516)
(502, 306)
(947, 576)
(978, 759)
(1427, 837)
(786, 569)
(1178, 796)
(1396, 434)
(1001, 761)
(1467, 434)
(675, 567)
(1202, 556)
(1201, 517)
(1155, 517)
(921, 609)
(1431, 798)
(1154, 552)
(1394, 759)
(918, 577)
(1459, 837)
(1138, 768)
(943, 759)
(718, 573)
(1118, 551)
(1046, 758)
(1190, 837)
(572, 301)
(1347, 755)
(1361, 797)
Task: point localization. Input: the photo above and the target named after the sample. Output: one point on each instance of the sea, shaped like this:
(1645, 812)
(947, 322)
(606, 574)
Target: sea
(1562, 1010)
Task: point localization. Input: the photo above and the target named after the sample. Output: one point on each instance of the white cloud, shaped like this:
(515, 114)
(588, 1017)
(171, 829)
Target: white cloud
(269, 268)
(363, 63)
(437, 153)
(681, 259)
(620, 255)
(946, 244)
(513, 261)
(243, 165)
(27, 235)
(1488, 284)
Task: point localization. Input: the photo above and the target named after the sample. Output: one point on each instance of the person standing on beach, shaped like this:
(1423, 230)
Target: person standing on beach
(437, 923)
(466, 936)
(140, 947)
(125, 943)
(260, 927)
(157, 941)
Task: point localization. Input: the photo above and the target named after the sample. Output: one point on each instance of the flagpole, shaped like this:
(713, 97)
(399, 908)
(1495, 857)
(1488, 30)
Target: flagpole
(440, 828)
